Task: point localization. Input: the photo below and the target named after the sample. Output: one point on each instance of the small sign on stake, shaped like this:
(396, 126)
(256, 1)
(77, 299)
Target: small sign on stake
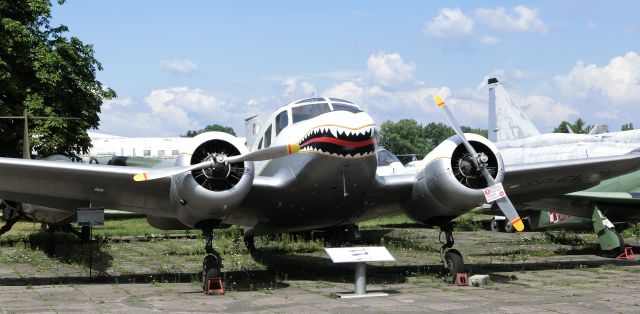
(91, 216)
(494, 192)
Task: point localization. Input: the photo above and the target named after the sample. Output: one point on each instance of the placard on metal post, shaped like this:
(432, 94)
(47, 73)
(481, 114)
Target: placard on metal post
(359, 256)
(89, 217)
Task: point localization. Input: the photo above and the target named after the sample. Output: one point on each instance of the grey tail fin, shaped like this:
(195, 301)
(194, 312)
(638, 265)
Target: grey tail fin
(507, 121)
(252, 127)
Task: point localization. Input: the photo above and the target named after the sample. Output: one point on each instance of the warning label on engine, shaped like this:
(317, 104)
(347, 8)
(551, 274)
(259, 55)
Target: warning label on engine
(494, 192)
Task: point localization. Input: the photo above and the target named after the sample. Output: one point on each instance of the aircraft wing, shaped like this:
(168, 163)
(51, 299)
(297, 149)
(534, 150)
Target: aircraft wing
(527, 182)
(71, 185)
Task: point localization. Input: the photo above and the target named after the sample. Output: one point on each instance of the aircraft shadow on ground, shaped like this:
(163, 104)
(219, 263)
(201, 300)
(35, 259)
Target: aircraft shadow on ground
(68, 249)
(281, 267)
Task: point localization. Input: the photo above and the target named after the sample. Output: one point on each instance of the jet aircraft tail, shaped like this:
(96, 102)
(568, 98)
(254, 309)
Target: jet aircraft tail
(507, 121)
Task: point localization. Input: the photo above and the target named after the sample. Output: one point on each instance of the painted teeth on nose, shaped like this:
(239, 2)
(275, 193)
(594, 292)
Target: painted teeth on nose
(334, 132)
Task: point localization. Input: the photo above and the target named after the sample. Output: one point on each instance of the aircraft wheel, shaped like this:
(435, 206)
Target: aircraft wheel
(508, 227)
(210, 269)
(453, 262)
(497, 225)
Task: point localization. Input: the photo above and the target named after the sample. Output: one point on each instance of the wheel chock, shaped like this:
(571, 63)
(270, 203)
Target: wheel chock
(627, 254)
(210, 289)
(462, 279)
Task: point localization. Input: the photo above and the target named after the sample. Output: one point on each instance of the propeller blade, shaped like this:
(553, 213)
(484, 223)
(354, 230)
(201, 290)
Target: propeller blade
(504, 203)
(168, 172)
(261, 154)
(266, 153)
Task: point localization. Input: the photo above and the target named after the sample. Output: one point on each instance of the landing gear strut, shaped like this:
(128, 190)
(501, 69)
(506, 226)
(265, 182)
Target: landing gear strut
(212, 263)
(451, 258)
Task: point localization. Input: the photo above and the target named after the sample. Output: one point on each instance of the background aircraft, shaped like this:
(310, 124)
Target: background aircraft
(312, 165)
(618, 198)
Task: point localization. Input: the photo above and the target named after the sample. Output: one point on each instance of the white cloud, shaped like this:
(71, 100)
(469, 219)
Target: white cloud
(489, 40)
(449, 23)
(523, 19)
(619, 80)
(171, 112)
(346, 90)
(296, 87)
(545, 110)
(607, 114)
(179, 66)
(124, 102)
(386, 69)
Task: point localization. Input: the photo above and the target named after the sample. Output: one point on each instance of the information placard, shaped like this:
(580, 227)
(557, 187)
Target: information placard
(90, 216)
(494, 192)
(359, 254)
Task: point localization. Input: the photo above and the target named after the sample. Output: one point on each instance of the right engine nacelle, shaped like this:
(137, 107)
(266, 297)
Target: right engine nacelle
(449, 184)
(211, 193)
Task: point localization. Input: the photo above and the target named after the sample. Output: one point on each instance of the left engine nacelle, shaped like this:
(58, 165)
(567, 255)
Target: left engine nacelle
(211, 193)
(449, 184)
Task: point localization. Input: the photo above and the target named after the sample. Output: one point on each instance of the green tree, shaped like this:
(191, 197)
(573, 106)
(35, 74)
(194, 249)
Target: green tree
(403, 137)
(577, 127)
(409, 137)
(48, 75)
(210, 128)
(627, 127)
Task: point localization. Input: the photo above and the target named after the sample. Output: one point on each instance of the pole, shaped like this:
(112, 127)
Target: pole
(26, 148)
(90, 253)
(361, 278)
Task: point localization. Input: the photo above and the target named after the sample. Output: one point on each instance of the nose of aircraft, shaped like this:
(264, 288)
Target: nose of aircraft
(341, 134)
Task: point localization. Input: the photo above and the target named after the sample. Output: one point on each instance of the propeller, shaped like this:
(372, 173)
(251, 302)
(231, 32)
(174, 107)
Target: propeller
(480, 160)
(221, 161)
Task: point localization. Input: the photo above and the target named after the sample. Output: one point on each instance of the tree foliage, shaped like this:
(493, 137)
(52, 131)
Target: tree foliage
(48, 75)
(409, 137)
(210, 128)
(577, 127)
(627, 127)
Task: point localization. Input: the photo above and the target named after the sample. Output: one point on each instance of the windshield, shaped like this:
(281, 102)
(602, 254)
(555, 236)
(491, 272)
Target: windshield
(345, 107)
(306, 112)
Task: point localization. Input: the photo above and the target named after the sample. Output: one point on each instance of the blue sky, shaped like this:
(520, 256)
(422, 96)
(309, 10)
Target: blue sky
(183, 65)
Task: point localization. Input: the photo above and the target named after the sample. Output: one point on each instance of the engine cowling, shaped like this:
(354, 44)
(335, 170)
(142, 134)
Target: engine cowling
(211, 193)
(449, 184)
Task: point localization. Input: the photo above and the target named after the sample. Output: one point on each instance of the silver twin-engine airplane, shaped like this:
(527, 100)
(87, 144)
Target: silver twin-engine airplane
(313, 165)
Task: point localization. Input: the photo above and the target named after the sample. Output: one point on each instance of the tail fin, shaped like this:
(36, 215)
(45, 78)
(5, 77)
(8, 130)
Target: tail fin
(252, 127)
(507, 121)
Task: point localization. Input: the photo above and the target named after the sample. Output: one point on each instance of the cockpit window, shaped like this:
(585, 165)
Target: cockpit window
(345, 107)
(340, 100)
(386, 158)
(309, 100)
(282, 120)
(306, 112)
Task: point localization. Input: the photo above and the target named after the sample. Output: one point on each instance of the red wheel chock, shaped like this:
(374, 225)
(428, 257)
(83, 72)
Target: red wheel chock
(209, 289)
(461, 279)
(627, 254)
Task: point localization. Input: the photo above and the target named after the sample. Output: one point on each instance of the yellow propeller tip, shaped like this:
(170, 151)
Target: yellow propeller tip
(517, 223)
(140, 177)
(293, 148)
(438, 100)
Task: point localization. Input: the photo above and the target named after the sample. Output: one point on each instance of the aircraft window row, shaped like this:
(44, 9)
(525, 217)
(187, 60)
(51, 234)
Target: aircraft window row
(345, 107)
(309, 100)
(282, 120)
(267, 137)
(306, 112)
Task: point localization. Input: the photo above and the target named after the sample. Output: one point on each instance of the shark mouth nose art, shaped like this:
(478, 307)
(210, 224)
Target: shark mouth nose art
(340, 142)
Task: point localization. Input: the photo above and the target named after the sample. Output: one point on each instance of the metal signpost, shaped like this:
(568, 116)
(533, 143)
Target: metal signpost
(90, 217)
(359, 256)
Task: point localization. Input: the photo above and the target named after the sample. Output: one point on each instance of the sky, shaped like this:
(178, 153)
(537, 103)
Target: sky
(179, 66)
